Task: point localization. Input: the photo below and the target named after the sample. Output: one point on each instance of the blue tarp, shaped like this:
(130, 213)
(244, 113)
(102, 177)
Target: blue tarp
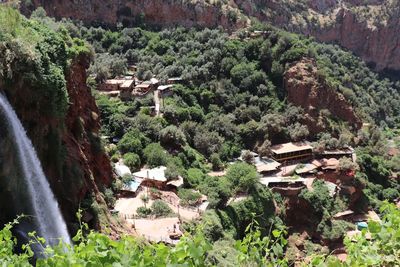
(133, 185)
(362, 225)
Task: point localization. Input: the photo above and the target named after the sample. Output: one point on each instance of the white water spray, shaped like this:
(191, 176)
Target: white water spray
(47, 216)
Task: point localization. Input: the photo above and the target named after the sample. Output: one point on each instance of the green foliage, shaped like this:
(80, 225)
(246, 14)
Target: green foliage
(130, 143)
(319, 197)
(143, 211)
(109, 197)
(155, 155)
(194, 177)
(188, 197)
(381, 249)
(160, 209)
(242, 176)
(132, 160)
(172, 136)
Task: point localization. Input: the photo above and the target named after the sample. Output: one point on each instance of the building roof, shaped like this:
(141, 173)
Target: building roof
(133, 185)
(175, 79)
(164, 87)
(254, 154)
(157, 174)
(177, 183)
(346, 150)
(154, 81)
(330, 164)
(127, 84)
(343, 213)
(143, 85)
(266, 165)
(114, 81)
(267, 180)
(331, 187)
(290, 147)
(121, 169)
(306, 168)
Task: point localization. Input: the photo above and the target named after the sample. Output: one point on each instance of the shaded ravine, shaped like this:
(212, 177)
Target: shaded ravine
(32, 183)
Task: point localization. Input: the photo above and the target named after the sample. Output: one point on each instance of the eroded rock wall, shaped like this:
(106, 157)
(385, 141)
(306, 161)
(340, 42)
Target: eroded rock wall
(305, 89)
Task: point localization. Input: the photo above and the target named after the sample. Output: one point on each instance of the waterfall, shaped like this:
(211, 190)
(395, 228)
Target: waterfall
(48, 221)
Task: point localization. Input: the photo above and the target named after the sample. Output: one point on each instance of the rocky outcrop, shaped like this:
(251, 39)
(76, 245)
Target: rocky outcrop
(134, 12)
(305, 89)
(81, 138)
(378, 44)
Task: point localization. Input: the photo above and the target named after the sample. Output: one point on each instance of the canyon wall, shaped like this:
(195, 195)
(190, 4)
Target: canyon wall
(68, 146)
(134, 12)
(368, 28)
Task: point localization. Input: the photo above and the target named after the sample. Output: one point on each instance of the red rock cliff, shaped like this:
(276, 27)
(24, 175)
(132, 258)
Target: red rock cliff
(68, 147)
(305, 89)
(369, 28)
(164, 13)
(81, 136)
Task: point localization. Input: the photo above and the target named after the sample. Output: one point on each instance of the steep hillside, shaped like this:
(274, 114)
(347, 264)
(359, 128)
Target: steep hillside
(43, 74)
(368, 28)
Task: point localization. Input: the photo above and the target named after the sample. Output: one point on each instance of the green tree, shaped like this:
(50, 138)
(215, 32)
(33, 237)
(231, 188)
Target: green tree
(160, 209)
(132, 160)
(242, 176)
(155, 155)
(130, 143)
(172, 136)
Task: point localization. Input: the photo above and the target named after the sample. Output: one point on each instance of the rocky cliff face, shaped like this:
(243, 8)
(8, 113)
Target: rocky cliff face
(368, 28)
(129, 13)
(81, 136)
(319, 101)
(68, 147)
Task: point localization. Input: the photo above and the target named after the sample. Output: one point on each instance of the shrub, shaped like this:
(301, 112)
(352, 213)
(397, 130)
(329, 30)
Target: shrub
(242, 176)
(143, 211)
(155, 155)
(160, 209)
(194, 177)
(109, 197)
(346, 164)
(188, 197)
(132, 160)
(130, 143)
(319, 198)
(216, 162)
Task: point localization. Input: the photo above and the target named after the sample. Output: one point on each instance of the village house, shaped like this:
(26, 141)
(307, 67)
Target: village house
(156, 178)
(132, 187)
(152, 177)
(336, 153)
(117, 87)
(292, 152)
(165, 90)
(142, 89)
(175, 80)
(126, 89)
(145, 87)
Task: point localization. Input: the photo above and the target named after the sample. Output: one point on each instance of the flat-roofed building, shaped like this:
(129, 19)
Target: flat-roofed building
(175, 80)
(165, 90)
(142, 89)
(292, 151)
(115, 87)
(126, 89)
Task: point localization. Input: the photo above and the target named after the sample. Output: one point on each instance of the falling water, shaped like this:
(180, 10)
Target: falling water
(48, 220)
